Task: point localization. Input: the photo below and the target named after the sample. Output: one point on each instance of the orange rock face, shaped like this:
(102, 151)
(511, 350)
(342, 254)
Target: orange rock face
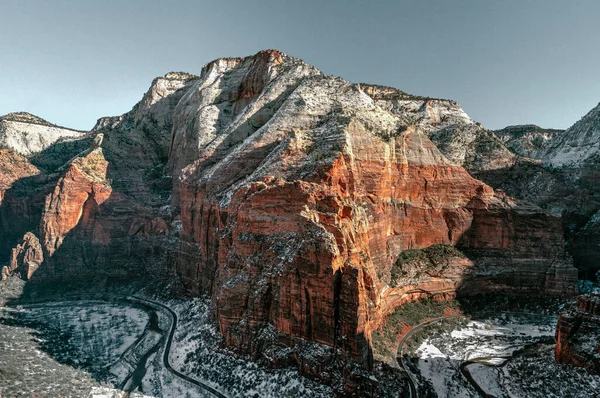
(578, 332)
(74, 201)
(27, 256)
(13, 167)
(311, 254)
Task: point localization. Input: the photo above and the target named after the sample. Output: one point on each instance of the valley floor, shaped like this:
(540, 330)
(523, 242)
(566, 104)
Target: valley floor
(100, 349)
(511, 355)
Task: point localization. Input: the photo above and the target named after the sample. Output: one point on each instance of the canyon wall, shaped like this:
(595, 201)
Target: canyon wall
(294, 215)
(578, 332)
(289, 197)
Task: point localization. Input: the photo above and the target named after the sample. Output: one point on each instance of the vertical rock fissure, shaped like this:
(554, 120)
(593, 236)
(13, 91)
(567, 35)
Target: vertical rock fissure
(308, 311)
(337, 287)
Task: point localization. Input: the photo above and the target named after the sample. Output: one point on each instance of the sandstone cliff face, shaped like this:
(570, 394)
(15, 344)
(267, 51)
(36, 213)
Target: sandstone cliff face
(75, 200)
(562, 179)
(578, 334)
(293, 215)
(463, 141)
(107, 214)
(13, 167)
(98, 205)
(296, 194)
(26, 258)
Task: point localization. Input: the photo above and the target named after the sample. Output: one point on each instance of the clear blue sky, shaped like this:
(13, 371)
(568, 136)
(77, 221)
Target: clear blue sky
(505, 62)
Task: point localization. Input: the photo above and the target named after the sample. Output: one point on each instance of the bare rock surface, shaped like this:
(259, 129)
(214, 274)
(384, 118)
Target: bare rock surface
(26, 258)
(578, 334)
(287, 196)
(579, 143)
(526, 140)
(28, 134)
(306, 188)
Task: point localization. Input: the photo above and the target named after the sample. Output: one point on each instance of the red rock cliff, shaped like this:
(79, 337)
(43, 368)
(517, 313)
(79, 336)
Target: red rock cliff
(293, 224)
(578, 334)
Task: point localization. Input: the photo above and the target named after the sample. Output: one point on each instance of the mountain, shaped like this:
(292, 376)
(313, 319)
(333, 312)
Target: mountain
(299, 203)
(301, 190)
(579, 144)
(526, 140)
(27, 134)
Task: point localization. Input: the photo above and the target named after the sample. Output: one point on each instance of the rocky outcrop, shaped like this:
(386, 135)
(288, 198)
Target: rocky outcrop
(104, 212)
(563, 179)
(578, 144)
(75, 200)
(26, 258)
(301, 194)
(13, 167)
(526, 140)
(578, 334)
(463, 141)
(28, 134)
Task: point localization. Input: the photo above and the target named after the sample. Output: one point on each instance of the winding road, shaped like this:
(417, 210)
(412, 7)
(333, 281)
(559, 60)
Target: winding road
(167, 349)
(413, 391)
(156, 306)
(463, 367)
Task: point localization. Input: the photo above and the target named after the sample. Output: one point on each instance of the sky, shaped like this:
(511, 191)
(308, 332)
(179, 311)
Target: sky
(506, 62)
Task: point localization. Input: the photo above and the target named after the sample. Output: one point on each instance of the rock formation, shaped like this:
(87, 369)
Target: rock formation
(526, 140)
(578, 144)
(26, 258)
(75, 201)
(28, 134)
(13, 167)
(303, 189)
(290, 198)
(562, 179)
(578, 334)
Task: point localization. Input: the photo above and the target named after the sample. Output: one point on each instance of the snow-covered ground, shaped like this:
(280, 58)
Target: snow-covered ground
(195, 351)
(93, 348)
(511, 356)
(63, 350)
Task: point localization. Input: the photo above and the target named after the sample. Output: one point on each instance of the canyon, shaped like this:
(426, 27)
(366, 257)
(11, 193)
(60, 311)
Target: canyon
(307, 208)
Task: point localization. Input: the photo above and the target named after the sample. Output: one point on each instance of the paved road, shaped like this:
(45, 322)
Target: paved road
(154, 304)
(195, 382)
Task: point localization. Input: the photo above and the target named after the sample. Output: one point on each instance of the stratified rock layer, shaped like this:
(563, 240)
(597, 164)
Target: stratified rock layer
(13, 167)
(75, 202)
(303, 191)
(295, 195)
(578, 334)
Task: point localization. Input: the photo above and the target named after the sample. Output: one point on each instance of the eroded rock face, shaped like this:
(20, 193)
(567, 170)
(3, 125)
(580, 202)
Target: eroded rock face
(26, 258)
(296, 193)
(97, 201)
(562, 179)
(74, 201)
(462, 141)
(293, 216)
(527, 140)
(13, 168)
(577, 144)
(578, 334)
